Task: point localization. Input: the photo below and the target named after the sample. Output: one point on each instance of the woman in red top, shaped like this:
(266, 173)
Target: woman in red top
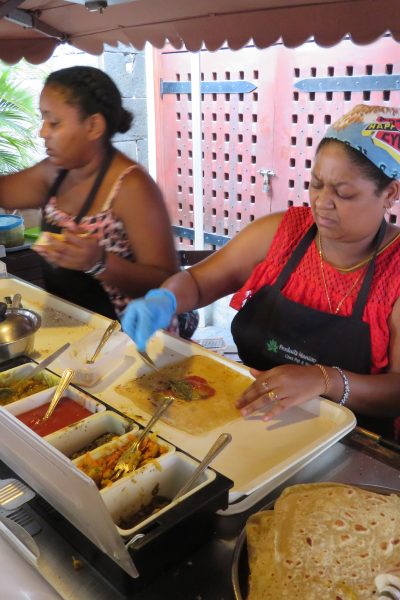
(318, 301)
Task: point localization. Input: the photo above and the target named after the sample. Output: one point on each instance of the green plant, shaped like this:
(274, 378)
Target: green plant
(19, 119)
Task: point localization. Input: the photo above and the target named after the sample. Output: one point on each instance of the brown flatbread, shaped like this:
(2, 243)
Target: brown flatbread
(260, 532)
(329, 542)
(196, 416)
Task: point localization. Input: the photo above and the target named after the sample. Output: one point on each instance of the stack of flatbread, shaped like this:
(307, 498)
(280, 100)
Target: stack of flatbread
(323, 542)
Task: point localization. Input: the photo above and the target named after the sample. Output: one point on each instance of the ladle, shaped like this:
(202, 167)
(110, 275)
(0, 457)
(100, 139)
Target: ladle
(223, 440)
(7, 391)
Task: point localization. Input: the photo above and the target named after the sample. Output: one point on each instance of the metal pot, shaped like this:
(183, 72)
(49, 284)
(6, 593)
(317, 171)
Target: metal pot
(17, 331)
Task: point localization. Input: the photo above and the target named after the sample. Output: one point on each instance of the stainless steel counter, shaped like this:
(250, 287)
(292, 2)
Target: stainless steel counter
(206, 573)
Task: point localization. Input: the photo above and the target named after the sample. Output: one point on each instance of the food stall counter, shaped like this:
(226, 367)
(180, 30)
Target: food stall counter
(205, 573)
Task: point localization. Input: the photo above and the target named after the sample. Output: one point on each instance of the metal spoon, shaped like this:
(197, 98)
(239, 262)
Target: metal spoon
(148, 361)
(106, 335)
(62, 386)
(130, 458)
(223, 440)
(7, 391)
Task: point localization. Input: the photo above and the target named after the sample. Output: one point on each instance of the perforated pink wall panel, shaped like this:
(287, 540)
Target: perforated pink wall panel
(276, 126)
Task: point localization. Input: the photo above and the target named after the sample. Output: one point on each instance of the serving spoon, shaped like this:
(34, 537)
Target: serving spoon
(5, 392)
(106, 336)
(130, 458)
(223, 440)
(62, 386)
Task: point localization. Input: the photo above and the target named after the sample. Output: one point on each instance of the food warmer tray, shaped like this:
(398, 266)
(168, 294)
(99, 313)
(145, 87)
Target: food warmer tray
(71, 502)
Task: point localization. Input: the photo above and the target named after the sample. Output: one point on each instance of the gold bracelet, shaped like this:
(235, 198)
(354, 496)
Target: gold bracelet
(327, 381)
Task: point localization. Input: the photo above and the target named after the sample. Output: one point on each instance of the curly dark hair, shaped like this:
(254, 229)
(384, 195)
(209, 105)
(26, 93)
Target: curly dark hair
(93, 91)
(368, 168)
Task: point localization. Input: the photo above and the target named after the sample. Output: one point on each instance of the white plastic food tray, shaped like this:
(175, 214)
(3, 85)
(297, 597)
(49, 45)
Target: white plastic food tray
(261, 455)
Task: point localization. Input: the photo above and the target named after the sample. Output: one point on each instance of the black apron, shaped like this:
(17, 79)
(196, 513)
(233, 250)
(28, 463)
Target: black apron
(77, 286)
(271, 330)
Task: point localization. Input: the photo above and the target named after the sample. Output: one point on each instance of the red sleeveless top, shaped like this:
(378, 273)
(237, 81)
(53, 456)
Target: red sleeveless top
(306, 284)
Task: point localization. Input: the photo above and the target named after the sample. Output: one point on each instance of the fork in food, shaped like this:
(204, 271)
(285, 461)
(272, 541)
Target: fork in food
(130, 458)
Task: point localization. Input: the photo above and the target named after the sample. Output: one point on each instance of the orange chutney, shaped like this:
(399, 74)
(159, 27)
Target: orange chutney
(66, 412)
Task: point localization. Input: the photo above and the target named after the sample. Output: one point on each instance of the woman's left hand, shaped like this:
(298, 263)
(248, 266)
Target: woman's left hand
(77, 251)
(278, 389)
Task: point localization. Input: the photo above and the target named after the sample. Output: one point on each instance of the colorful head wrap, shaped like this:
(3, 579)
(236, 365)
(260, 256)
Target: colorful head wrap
(375, 132)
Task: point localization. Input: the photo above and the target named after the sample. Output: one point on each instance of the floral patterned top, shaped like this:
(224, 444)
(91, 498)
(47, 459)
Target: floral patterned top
(113, 236)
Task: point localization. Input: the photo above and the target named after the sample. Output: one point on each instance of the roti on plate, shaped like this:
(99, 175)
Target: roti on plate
(325, 541)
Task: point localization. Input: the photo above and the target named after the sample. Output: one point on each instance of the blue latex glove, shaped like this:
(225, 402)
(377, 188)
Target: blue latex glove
(145, 316)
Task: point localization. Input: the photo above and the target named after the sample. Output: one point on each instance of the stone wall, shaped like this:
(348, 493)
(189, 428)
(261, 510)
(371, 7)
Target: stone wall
(127, 68)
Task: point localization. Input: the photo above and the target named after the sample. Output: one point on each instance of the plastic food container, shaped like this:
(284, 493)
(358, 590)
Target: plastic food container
(11, 377)
(79, 352)
(36, 400)
(74, 439)
(11, 230)
(103, 457)
(129, 497)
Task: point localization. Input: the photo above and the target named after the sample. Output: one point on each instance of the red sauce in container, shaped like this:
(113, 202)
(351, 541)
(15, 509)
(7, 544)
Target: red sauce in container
(66, 412)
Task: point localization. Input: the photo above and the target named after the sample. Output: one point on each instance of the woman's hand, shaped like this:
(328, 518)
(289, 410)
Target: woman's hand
(77, 250)
(278, 389)
(143, 317)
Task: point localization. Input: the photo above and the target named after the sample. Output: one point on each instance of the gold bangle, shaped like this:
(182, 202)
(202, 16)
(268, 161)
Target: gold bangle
(327, 381)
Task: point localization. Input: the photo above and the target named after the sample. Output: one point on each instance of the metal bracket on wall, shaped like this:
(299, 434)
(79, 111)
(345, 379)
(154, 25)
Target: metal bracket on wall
(366, 83)
(207, 87)
(209, 238)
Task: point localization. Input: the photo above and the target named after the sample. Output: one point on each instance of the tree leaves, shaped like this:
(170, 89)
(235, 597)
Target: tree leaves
(19, 119)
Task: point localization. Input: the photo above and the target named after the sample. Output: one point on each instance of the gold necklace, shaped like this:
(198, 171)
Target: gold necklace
(366, 260)
(347, 294)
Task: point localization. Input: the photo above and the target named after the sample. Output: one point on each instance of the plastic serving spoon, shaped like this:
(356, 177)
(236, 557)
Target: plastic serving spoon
(7, 391)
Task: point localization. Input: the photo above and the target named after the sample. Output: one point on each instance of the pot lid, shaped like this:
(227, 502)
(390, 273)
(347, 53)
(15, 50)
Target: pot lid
(8, 222)
(17, 323)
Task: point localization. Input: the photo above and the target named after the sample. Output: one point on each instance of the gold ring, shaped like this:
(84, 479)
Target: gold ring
(272, 396)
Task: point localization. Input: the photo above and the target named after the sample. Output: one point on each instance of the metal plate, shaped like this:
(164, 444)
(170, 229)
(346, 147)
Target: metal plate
(240, 566)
